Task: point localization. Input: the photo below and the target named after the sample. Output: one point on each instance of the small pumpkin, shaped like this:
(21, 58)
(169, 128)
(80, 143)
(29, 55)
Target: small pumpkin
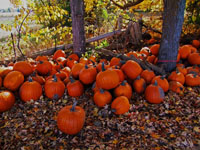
(162, 82)
(154, 93)
(145, 50)
(70, 119)
(176, 86)
(151, 58)
(74, 87)
(70, 62)
(13, 80)
(59, 53)
(7, 100)
(54, 88)
(115, 61)
(139, 85)
(30, 90)
(177, 76)
(120, 105)
(102, 97)
(184, 51)
(44, 67)
(5, 70)
(88, 75)
(83, 60)
(41, 58)
(24, 67)
(107, 79)
(196, 43)
(147, 75)
(182, 69)
(124, 89)
(192, 80)
(38, 78)
(155, 49)
(74, 57)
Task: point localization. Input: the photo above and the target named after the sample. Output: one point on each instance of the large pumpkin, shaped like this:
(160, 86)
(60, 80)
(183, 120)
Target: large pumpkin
(162, 82)
(44, 67)
(155, 49)
(177, 76)
(7, 100)
(107, 79)
(88, 75)
(154, 93)
(194, 59)
(5, 70)
(102, 97)
(139, 85)
(70, 119)
(120, 105)
(59, 53)
(132, 69)
(192, 80)
(54, 88)
(30, 90)
(24, 67)
(147, 75)
(184, 51)
(176, 87)
(13, 80)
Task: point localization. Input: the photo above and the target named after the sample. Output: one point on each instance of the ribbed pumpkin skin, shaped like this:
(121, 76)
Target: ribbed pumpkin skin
(76, 69)
(176, 86)
(192, 80)
(59, 53)
(102, 98)
(54, 89)
(13, 80)
(162, 82)
(71, 122)
(123, 90)
(184, 51)
(155, 49)
(194, 59)
(24, 67)
(121, 105)
(121, 74)
(75, 88)
(154, 94)
(7, 100)
(132, 69)
(44, 67)
(30, 90)
(107, 80)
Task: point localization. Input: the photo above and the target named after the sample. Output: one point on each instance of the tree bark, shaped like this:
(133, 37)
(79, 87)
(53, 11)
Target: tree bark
(172, 25)
(77, 11)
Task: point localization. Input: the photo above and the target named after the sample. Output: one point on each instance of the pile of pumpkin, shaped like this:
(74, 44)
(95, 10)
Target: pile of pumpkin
(112, 81)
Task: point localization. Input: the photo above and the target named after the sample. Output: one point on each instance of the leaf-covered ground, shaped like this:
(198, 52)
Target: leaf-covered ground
(174, 124)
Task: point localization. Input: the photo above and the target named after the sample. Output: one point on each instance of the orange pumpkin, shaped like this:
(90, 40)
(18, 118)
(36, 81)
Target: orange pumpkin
(76, 69)
(120, 105)
(5, 70)
(196, 43)
(115, 61)
(88, 75)
(139, 85)
(176, 87)
(74, 57)
(59, 53)
(155, 49)
(70, 119)
(147, 75)
(194, 58)
(184, 51)
(13, 80)
(102, 97)
(7, 100)
(38, 78)
(192, 80)
(177, 76)
(154, 93)
(44, 67)
(107, 79)
(24, 67)
(124, 89)
(54, 88)
(162, 82)
(132, 69)
(30, 90)
(74, 87)
(41, 58)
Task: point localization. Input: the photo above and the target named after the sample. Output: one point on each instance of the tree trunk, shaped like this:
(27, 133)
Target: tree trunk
(77, 11)
(172, 25)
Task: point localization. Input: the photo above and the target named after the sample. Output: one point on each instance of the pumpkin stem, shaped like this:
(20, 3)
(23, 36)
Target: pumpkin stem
(93, 63)
(122, 62)
(162, 77)
(71, 79)
(138, 77)
(40, 61)
(55, 79)
(156, 83)
(123, 83)
(103, 66)
(93, 85)
(113, 110)
(177, 71)
(73, 106)
(101, 90)
(55, 97)
(86, 66)
(34, 74)
(30, 79)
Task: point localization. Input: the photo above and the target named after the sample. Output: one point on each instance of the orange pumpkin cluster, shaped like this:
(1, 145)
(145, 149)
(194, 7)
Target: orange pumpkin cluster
(113, 82)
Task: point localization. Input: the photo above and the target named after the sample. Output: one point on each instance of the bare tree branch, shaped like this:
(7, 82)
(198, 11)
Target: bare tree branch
(13, 42)
(19, 32)
(127, 5)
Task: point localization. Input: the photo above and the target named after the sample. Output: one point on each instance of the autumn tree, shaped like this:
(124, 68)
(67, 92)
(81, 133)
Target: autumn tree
(173, 18)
